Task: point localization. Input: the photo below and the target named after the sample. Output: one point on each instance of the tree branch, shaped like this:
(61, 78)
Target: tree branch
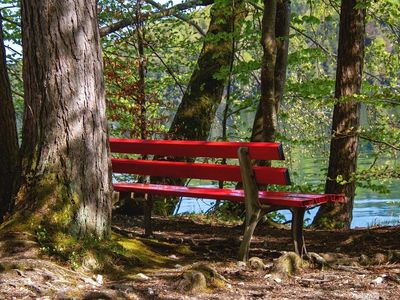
(380, 142)
(334, 56)
(314, 41)
(169, 70)
(13, 50)
(178, 15)
(105, 30)
(10, 21)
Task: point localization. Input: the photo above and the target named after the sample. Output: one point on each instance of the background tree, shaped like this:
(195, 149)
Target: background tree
(66, 186)
(274, 61)
(346, 117)
(8, 136)
(203, 94)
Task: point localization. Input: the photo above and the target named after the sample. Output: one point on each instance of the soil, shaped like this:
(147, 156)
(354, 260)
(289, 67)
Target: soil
(361, 264)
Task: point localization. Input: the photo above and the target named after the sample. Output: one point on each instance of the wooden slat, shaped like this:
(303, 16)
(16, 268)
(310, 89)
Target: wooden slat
(266, 197)
(262, 151)
(264, 175)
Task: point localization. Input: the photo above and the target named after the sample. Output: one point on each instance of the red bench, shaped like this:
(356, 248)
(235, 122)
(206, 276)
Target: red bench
(257, 203)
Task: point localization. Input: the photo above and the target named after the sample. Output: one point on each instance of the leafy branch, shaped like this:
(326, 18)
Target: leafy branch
(164, 12)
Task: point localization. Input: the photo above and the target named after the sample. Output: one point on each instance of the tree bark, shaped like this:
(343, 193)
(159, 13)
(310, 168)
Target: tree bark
(277, 82)
(267, 100)
(65, 153)
(203, 95)
(8, 137)
(141, 70)
(346, 118)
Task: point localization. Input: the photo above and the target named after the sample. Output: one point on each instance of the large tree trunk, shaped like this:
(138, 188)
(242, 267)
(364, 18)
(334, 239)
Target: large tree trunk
(65, 154)
(273, 82)
(203, 95)
(346, 118)
(8, 137)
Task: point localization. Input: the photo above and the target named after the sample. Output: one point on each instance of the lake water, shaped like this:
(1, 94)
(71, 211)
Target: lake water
(366, 213)
(370, 208)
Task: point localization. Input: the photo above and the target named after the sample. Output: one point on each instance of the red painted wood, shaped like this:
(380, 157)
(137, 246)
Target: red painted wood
(271, 198)
(263, 151)
(264, 175)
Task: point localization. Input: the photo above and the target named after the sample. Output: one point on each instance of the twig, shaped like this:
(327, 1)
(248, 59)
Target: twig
(315, 42)
(10, 21)
(380, 142)
(17, 93)
(169, 70)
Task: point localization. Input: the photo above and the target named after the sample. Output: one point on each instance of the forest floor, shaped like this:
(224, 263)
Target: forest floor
(361, 264)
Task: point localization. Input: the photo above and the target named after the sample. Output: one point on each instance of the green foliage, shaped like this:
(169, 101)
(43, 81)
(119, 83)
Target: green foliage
(11, 20)
(172, 47)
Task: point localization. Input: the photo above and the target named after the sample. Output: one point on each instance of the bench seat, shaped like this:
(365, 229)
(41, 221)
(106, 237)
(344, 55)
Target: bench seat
(281, 199)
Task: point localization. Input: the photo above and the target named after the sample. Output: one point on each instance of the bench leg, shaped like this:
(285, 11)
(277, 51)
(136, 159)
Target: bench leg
(250, 225)
(148, 207)
(297, 230)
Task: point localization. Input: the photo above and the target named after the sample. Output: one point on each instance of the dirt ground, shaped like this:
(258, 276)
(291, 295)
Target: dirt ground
(361, 264)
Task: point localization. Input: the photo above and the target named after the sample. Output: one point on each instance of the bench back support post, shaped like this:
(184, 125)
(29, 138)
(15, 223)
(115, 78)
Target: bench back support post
(252, 205)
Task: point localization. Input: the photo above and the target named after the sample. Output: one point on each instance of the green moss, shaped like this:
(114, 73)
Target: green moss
(167, 247)
(139, 250)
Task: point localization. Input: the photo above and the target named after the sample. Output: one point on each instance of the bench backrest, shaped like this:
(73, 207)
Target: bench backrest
(173, 148)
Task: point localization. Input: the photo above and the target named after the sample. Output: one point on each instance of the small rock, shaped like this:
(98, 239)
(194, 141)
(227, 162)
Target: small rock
(99, 279)
(150, 291)
(269, 265)
(267, 276)
(377, 280)
(173, 256)
(240, 283)
(277, 280)
(241, 264)
(228, 286)
(90, 281)
(141, 276)
(178, 266)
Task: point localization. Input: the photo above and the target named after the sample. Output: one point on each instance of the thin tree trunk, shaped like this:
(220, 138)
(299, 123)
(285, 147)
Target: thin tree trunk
(228, 103)
(267, 100)
(281, 25)
(203, 95)
(346, 118)
(141, 71)
(129, 206)
(8, 137)
(66, 168)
